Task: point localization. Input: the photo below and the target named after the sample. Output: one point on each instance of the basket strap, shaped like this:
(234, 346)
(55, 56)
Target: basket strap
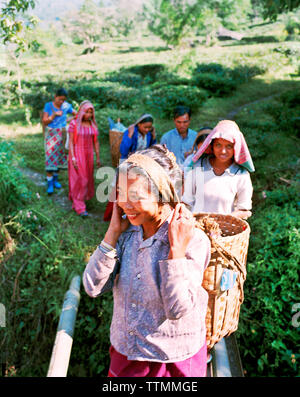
(228, 257)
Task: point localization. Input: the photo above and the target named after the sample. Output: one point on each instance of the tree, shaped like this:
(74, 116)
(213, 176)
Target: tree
(272, 8)
(13, 27)
(172, 20)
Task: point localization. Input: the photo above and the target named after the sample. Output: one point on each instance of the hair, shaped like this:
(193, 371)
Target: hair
(200, 139)
(166, 160)
(61, 92)
(181, 110)
(205, 128)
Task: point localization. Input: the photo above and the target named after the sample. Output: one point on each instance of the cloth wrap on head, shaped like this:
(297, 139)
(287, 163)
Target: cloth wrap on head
(144, 116)
(157, 174)
(83, 107)
(228, 130)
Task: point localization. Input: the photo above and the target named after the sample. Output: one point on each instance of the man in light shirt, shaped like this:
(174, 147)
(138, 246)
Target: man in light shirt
(181, 139)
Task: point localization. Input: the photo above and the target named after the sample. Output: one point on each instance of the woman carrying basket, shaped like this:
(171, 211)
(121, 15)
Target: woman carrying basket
(138, 136)
(158, 324)
(220, 181)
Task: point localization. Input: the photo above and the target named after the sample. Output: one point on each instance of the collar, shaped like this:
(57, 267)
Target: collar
(187, 135)
(231, 170)
(161, 234)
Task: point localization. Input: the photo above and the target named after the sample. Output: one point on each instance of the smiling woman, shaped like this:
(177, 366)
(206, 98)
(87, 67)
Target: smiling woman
(219, 181)
(158, 324)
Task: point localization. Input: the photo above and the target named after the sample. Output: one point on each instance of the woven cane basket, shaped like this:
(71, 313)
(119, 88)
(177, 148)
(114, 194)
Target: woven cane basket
(115, 139)
(228, 251)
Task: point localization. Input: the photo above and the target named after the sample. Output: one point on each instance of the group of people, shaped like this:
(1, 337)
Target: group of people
(153, 255)
(216, 162)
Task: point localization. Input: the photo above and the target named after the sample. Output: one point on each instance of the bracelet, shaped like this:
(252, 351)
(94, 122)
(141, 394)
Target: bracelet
(108, 250)
(73, 158)
(107, 246)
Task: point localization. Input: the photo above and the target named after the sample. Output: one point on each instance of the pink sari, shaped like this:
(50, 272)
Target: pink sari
(81, 180)
(194, 366)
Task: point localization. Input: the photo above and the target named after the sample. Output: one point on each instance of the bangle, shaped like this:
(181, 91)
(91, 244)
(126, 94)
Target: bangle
(108, 250)
(73, 158)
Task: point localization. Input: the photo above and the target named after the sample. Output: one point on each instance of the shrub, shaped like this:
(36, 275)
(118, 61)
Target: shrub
(285, 112)
(13, 190)
(164, 99)
(268, 341)
(125, 78)
(221, 80)
(148, 72)
(219, 85)
(105, 94)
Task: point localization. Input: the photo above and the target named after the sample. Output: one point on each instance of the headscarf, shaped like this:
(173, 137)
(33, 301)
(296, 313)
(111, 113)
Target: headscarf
(158, 175)
(143, 117)
(229, 130)
(83, 107)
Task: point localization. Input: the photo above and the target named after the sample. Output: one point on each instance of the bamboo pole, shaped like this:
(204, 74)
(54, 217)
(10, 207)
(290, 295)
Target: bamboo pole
(61, 352)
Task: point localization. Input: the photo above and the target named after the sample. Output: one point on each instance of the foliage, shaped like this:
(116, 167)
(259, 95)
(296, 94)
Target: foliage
(12, 24)
(176, 19)
(272, 8)
(221, 80)
(13, 28)
(13, 191)
(285, 112)
(94, 23)
(164, 99)
(268, 338)
(171, 20)
(53, 244)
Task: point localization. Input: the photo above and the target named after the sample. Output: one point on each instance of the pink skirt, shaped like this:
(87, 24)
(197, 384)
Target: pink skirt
(194, 366)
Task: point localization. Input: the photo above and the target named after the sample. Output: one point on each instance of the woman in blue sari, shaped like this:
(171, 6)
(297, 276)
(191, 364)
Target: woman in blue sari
(138, 136)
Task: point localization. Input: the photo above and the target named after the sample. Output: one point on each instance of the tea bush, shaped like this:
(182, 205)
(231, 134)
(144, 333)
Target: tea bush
(125, 78)
(148, 72)
(221, 80)
(163, 100)
(285, 112)
(267, 338)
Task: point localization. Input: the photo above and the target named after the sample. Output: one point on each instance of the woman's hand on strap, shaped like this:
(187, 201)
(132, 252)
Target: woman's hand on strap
(117, 225)
(181, 230)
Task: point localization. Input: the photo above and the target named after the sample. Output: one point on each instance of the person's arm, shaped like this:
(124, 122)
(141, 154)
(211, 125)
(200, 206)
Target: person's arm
(97, 151)
(101, 265)
(243, 202)
(182, 271)
(188, 196)
(71, 149)
(126, 143)
(48, 119)
(71, 145)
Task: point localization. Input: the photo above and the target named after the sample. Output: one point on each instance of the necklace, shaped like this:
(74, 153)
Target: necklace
(218, 170)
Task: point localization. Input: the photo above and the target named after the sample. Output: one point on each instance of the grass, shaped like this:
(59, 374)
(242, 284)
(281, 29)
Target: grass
(73, 239)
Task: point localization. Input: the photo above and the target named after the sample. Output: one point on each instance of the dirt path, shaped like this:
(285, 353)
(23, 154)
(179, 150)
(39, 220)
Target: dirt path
(60, 196)
(234, 112)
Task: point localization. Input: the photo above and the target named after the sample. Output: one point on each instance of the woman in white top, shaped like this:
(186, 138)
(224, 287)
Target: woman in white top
(220, 181)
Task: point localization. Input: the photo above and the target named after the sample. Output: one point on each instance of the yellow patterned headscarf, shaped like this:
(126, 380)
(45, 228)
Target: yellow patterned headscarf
(157, 174)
